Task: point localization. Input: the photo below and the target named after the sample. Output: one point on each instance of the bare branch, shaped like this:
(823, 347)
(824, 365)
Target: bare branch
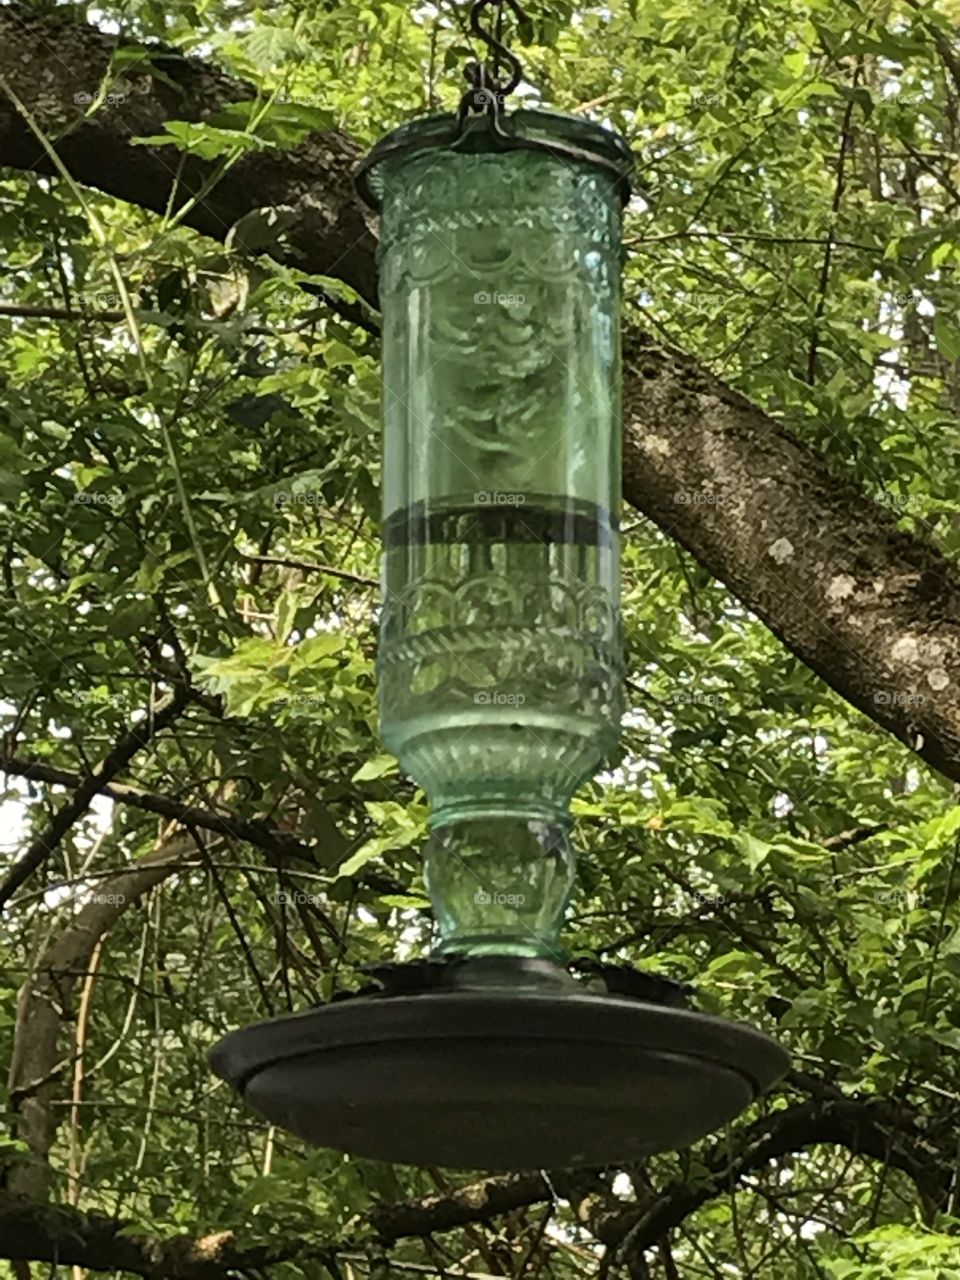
(862, 1126)
(134, 740)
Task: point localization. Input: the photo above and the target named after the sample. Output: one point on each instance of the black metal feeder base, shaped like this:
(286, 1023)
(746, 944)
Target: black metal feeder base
(496, 1065)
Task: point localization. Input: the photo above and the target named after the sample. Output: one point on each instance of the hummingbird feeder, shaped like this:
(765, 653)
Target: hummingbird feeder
(500, 676)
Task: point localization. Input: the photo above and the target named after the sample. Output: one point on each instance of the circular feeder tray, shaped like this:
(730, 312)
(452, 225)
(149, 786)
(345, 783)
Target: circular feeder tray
(497, 1079)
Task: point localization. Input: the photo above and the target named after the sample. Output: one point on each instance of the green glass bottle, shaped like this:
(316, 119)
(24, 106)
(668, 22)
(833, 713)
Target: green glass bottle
(500, 655)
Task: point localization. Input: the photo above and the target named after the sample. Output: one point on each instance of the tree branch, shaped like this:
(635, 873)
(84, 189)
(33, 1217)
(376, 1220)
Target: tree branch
(874, 611)
(861, 1126)
(871, 609)
(56, 64)
(126, 747)
(44, 1002)
(478, 1202)
(307, 566)
(281, 846)
(31, 1232)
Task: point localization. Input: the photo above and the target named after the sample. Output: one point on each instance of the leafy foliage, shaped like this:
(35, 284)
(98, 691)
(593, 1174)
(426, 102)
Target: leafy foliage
(194, 497)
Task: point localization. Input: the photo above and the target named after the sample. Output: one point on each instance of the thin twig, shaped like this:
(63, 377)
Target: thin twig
(308, 566)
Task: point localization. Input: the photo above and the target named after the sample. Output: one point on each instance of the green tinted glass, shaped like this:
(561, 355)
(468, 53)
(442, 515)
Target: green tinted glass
(500, 661)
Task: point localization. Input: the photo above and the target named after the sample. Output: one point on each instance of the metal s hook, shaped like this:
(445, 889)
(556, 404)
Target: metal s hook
(487, 91)
(492, 129)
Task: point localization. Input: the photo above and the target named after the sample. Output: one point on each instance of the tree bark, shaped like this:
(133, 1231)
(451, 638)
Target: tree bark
(871, 609)
(55, 65)
(45, 1002)
(874, 611)
(32, 1232)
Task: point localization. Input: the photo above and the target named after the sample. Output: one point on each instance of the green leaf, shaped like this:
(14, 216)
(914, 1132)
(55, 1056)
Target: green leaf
(378, 767)
(203, 140)
(405, 902)
(372, 848)
(730, 964)
(947, 337)
(11, 485)
(941, 253)
(337, 353)
(753, 850)
(950, 1037)
(282, 122)
(268, 47)
(314, 649)
(287, 607)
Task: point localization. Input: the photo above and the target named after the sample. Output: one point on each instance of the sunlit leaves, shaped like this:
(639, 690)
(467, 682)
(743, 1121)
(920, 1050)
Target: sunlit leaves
(757, 837)
(204, 140)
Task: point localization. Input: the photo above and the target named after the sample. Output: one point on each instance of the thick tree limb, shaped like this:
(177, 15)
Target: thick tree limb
(56, 65)
(874, 611)
(45, 1000)
(31, 1232)
(871, 609)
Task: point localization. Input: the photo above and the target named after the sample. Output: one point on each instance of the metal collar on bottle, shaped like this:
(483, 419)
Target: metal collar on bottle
(566, 137)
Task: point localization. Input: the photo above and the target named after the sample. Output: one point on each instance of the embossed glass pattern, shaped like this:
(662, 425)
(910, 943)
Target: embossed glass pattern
(500, 662)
